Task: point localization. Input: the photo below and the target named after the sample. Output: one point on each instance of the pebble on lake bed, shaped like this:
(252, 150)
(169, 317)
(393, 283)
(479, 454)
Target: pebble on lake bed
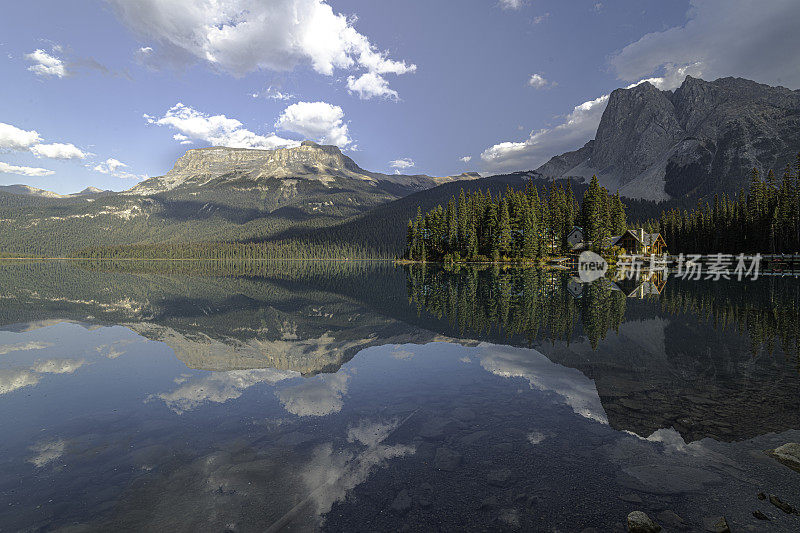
(639, 522)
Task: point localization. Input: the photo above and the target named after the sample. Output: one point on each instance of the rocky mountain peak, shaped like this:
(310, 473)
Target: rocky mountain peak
(700, 139)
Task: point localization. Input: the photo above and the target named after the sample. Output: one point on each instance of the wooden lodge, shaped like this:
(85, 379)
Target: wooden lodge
(640, 242)
(633, 241)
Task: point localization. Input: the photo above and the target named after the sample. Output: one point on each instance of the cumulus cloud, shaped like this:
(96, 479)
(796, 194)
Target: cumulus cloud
(370, 85)
(319, 121)
(17, 139)
(537, 81)
(217, 130)
(465, 159)
(46, 65)
(13, 138)
(242, 36)
(402, 164)
(116, 168)
(58, 151)
(5, 168)
(720, 38)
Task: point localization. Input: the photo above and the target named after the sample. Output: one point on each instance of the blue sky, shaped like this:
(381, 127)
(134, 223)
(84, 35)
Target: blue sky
(104, 93)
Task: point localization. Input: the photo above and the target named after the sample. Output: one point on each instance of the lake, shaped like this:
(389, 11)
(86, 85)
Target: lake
(372, 397)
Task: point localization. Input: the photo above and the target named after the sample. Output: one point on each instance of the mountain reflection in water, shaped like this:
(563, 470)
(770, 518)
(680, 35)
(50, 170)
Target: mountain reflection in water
(371, 397)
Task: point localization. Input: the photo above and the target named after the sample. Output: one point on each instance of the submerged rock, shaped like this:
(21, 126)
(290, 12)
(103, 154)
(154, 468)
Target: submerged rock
(671, 520)
(788, 454)
(716, 524)
(639, 522)
(447, 459)
(402, 502)
(782, 505)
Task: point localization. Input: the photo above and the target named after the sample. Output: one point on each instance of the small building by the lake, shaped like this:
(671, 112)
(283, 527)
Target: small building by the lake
(638, 241)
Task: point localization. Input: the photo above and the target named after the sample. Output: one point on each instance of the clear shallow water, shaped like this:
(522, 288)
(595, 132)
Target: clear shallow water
(350, 398)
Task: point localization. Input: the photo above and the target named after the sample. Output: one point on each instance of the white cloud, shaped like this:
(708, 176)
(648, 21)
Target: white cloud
(183, 139)
(23, 347)
(13, 379)
(319, 121)
(370, 85)
(511, 4)
(537, 81)
(218, 387)
(58, 366)
(5, 168)
(272, 93)
(217, 130)
(402, 164)
(45, 64)
(318, 396)
(577, 128)
(13, 138)
(572, 387)
(115, 167)
(242, 36)
(47, 452)
(720, 38)
(58, 151)
(465, 159)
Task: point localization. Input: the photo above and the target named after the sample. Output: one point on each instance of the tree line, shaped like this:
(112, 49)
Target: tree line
(765, 218)
(517, 225)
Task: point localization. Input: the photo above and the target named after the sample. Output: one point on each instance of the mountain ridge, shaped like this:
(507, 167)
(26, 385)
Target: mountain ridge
(700, 139)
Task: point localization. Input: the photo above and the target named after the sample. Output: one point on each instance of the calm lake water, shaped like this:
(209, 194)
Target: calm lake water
(369, 397)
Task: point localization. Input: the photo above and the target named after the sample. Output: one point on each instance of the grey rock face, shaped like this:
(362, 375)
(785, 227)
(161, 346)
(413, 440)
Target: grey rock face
(703, 138)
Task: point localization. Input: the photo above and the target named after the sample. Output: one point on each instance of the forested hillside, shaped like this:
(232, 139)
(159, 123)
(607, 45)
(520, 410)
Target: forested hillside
(517, 225)
(765, 218)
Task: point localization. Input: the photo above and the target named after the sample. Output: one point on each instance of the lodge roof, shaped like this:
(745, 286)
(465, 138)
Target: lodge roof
(647, 239)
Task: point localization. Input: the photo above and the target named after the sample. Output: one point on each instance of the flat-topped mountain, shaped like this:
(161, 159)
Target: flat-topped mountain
(211, 194)
(309, 161)
(700, 139)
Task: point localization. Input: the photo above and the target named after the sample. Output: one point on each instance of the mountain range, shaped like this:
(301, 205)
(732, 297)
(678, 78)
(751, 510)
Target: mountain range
(700, 139)
(651, 145)
(211, 194)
